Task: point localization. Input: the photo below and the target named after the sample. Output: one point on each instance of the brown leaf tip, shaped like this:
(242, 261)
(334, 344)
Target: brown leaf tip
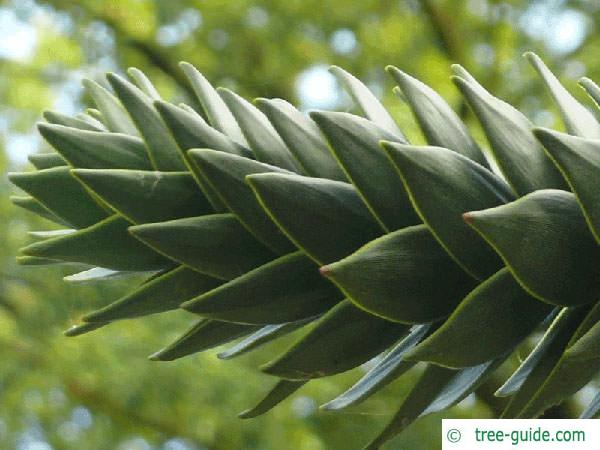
(325, 271)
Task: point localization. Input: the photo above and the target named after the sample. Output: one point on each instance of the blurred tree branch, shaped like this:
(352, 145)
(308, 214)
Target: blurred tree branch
(154, 54)
(447, 34)
(98, 401)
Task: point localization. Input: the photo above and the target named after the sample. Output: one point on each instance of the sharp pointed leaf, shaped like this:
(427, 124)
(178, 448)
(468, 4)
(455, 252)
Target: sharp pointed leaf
(163, 293)
(342, 339)
(355, 143)
(282, 390)
(142, 82)
(263, 336)
(34, 206)
(440, 124)
(51, 233)
(227, 175)
(97, 274)
(91, 120)
(35, 261)
(56, 118)
(577, 366)
(202, 336)
(577, 118)
(262, 137)
(404, 276)
(387, 370)
(105, 244)
(96, 150)
(557, 337)
(370, 106)
(437, 388)
(463, 73)
(284, 290)
(592, 409)
(492, 320)
(216, 110)
(514, 147)
(335, 221)
(78, 330)
(591, 88)
(116, 118)
(216, 245)
(191, 131)
(302, 137)
(62, 194)
(95, 117)
(443, 185)
(162, 149)
(545, 242)
(579, 161)
(465, 382)
(516, 380)
(46, 160)
(144, 196)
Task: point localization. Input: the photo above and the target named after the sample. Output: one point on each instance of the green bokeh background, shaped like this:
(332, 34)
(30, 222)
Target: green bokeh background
(99, 391)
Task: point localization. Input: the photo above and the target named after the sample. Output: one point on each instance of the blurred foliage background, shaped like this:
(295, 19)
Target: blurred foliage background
(98, 391)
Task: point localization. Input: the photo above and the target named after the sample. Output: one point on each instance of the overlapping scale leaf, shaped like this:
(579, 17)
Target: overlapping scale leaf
(262, 137)
(32, 205)
(46, 160)
(284, 290)
(438, 388)
(202, 336)
(545, 242)
(518, 377)
(216, 110)
(355, 143)
(163, 293)
(302, 137)
(162, 149)
(96, 274)
(404, 276)
(443, 185)
(116, 118)
(575, 368)
(391, 366)
(57, 118)
(105, 244)
(96, 150)
(143, 82)
(370, 106)
(227, 174)
(59, 192)
(151, 196)
(261, 337)
(440, 124)
(490, 321)
(579, 161)
(191, 131)
(578, 119)
(515, 149)
(553, 344)
(342, 339)
(325, 218)
(216, 245)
